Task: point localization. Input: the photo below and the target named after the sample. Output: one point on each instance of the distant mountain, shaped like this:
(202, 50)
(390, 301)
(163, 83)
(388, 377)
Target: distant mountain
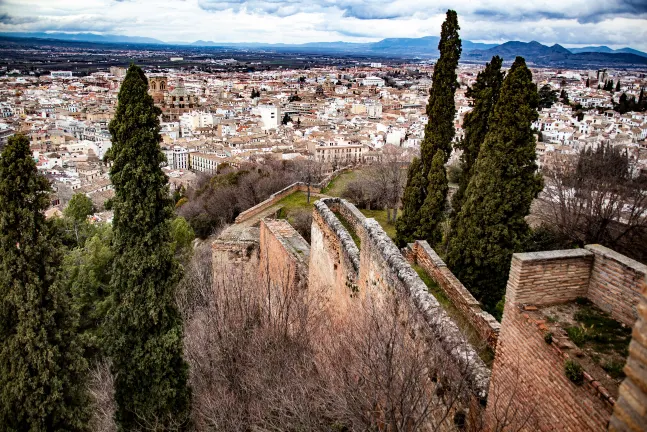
(423, 47)
(84, 37)
(555, 55)
(606, 49)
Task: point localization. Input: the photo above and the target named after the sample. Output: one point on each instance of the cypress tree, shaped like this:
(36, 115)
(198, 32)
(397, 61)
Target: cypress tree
(439, 134)
(42, 369)
(491, 225)
(485, 94)
(412, 200)
(145, 325)
(618, 86)
(588, 83)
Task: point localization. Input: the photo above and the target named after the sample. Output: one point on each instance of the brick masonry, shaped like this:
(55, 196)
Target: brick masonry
(615, 283)
(528, 372)
(552, 277)
(283, 257)
(630, 412)
(528, 383)
(485, 324)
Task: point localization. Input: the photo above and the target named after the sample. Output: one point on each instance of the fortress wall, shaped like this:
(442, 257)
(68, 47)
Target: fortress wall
(273, 199)
(382, 268)
(528, 380)
(485, 324)
(616, 282)
(236, 248)
(530, 372)
(283, 257)
(334, 260)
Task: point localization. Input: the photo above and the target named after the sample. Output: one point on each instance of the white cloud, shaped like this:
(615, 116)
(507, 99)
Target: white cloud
(570, 22)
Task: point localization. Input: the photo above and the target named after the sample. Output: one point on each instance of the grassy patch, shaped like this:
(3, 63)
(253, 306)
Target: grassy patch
(380, 217)
(350, 229)
(338, 185)
(484, 351)
(294, 203)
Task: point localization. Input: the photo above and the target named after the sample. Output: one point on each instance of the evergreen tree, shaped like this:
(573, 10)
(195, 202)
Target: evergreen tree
(485, 94)
(491, 225)
(412, 200)
(564, 97)
(641, 100)
(588, 83)
(145, 324)
(42, 369)
(439, 134)
(547, 96)
(618, 86)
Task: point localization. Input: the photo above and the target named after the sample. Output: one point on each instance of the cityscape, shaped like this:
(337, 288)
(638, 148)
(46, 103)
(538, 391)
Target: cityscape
(275, 224)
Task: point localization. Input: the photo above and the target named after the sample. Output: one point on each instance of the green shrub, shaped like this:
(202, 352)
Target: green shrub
(548, 338)
(578, 335)
(573, 371)
(614, 369)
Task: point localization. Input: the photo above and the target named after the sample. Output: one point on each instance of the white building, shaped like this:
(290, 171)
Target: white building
(270, 116)
(373, 81)
(61, 74)
(177, 157)
(374, 110)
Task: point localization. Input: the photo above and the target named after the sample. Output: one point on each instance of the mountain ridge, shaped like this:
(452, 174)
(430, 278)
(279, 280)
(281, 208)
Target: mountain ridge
(423, 47)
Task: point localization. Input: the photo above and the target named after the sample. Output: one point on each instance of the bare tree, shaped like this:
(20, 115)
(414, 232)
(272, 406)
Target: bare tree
(596, 197)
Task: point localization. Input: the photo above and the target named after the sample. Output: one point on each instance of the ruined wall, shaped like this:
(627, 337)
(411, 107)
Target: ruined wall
(528, 371)
(630, 412)
(615, 285)
(485, 324)
(283, 256)
(236, 247)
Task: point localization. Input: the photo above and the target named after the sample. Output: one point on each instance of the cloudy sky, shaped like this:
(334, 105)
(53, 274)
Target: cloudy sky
(616, 23)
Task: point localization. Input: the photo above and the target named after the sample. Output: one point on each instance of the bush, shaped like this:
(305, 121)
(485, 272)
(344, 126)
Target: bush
(548, 338)
(454, 172)
(578, 335)
(573, 371)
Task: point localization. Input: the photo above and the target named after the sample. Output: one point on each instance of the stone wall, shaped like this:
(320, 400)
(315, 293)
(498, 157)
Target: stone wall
(236, 247)
(484, 323)
(283, 257)
(615, 283)
(630, 412)
(380, 267)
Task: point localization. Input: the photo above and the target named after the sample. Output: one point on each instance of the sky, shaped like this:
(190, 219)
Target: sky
(615, 23)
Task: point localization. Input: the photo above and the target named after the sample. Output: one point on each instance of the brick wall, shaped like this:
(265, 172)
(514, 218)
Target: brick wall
(485, 324)
(283, 257)
(529, 387)
(552, 277)
(630, 412)
(615, 283)
(334, 260)
(236, 248)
